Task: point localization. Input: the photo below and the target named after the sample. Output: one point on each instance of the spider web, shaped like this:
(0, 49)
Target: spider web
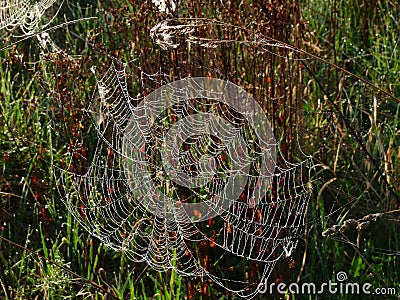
(22, 14)
(181, 157)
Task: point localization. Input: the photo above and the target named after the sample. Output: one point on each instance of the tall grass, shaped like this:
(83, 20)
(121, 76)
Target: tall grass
(355, 139)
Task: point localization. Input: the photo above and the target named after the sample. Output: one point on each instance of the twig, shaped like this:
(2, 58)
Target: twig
(162, 29)
(360, 223)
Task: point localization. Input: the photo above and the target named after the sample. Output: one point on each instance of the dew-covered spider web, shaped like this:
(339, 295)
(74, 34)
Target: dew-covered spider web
(191, 165)
(179, 157)
(22, 14)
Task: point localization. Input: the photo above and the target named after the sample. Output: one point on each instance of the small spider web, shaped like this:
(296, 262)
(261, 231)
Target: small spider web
(22, 14)
(194, 151)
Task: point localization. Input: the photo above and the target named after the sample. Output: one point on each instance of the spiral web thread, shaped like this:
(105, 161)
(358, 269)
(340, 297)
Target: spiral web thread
(132, 201)
(22, 14)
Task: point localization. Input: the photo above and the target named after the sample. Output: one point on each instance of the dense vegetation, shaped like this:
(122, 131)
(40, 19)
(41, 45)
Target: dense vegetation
(349, 123)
